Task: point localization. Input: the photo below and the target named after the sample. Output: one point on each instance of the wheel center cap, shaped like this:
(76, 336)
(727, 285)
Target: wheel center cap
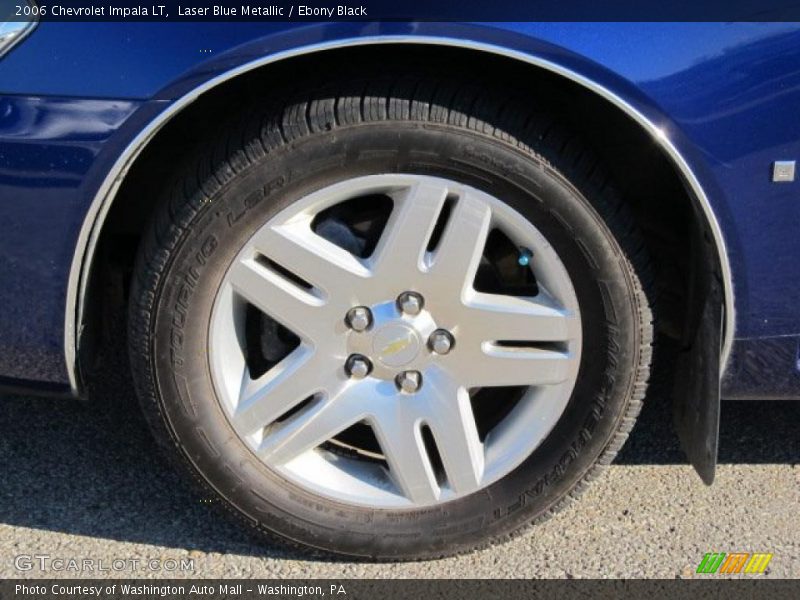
(396, 344)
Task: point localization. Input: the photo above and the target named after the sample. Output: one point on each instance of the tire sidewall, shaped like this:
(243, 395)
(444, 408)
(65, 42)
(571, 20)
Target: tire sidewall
(183, 293)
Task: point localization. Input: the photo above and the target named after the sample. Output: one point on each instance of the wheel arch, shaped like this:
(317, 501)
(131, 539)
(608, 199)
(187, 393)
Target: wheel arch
(106, 196)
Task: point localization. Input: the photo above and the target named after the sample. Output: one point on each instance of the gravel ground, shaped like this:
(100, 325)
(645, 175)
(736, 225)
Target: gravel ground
(82, 480)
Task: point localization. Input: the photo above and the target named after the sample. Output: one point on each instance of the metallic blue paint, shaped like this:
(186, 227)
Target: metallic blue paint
(49, 153)
(73, 96)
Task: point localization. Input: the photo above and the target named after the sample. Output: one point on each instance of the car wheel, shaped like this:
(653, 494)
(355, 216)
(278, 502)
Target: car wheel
(388, 325)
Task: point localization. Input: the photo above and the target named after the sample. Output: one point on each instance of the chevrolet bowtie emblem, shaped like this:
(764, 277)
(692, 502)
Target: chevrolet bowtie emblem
(395, 347)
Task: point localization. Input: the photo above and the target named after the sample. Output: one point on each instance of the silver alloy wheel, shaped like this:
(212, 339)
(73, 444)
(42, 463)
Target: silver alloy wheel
(533, 342)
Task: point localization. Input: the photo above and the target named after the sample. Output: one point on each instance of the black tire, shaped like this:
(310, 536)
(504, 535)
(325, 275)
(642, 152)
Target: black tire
(475, 134)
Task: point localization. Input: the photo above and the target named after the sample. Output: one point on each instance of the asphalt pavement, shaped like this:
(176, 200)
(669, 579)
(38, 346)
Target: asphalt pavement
(85, 481)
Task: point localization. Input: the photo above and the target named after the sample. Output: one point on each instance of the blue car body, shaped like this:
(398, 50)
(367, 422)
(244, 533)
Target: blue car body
(79, 100)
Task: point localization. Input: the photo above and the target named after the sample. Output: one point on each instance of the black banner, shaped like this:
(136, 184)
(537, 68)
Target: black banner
(469, 589)
(395, 10)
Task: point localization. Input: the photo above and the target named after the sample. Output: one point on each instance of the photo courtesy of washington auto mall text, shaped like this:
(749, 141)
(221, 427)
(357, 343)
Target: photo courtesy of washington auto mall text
(179, 590)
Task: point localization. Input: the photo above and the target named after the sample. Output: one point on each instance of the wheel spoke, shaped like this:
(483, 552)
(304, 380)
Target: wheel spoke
(314, 259)
(400, 438)
(494, 317)
(316, 424)
(452, 423)
(489, 365)
(266, 398)
(401, 249)
(459, 251)
(295, 308)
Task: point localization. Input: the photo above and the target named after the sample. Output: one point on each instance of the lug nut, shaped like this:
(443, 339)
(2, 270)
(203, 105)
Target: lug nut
(358, 366)
(410, 303)
(441, 341)
(409, 381)
(359, 318)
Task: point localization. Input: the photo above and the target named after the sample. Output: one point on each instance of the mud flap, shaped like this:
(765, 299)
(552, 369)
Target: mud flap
(696, 399)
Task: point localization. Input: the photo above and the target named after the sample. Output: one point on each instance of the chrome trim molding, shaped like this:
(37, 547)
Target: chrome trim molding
(98, 210)
(12, 33)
